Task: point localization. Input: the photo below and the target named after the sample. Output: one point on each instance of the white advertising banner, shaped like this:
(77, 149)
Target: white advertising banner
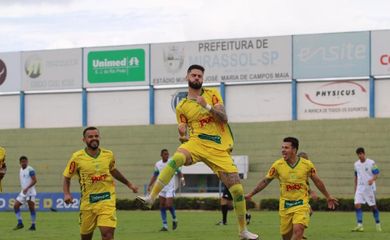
(53, 110)
(382, 98)
(51, 70)
(10, 111)
(333, 100)
(380, 53)
(10, 72)
(116, 66)
(227, 60)
(118, 108)
(331, 55)
(258, 103)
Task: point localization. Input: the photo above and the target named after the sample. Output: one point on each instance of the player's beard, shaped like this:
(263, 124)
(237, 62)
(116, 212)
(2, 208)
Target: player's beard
(195, 85)
(94, 144)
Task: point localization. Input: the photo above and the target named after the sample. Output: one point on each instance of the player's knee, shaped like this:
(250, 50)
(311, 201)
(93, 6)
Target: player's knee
(178, 160)
(298, 230)
(237, 192)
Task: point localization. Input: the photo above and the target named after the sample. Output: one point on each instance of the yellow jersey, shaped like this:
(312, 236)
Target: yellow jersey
(96, 182)
(2, 161)
(2, 157)
(293, 182)
(202, 126)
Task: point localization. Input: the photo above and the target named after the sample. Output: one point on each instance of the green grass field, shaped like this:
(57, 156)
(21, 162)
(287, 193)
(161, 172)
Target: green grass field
(145, 225)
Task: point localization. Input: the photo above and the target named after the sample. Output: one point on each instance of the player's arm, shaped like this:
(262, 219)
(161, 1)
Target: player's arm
(375, 172)
(32, 183)
(218, 110)
(182, 125)
(182, 129)
(3, 169)
(181, 177)
(69, 171)
(118, 176)
(355, 182)
(66, 189)
(152, 181)
(373, 179)
(332, 202)
(259, 187)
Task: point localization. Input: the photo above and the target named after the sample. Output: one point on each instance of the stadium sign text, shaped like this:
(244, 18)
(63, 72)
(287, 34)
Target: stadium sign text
(43, 202)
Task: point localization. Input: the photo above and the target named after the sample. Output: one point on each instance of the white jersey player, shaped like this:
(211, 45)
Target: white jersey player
(167, 193)
(27, 195)
(366, 173)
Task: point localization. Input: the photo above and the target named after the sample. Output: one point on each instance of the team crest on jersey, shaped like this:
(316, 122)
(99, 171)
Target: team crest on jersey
(176, 98)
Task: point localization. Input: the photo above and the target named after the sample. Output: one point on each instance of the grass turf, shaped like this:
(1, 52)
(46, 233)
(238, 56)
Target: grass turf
(145, 225)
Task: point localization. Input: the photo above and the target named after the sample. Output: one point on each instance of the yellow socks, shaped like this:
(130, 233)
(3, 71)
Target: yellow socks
(239, 204)
(178, 160)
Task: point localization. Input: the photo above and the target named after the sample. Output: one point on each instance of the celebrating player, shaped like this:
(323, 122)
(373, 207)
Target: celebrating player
(202, 116)
(95, 168)
(366, 173)
(292, 173)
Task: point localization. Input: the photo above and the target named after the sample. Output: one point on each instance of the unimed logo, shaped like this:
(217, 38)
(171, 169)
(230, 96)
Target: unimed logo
(336, 93)
(116, 66)
(3, 72)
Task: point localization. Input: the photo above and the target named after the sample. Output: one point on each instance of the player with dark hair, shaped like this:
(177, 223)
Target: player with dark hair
(205, 136)
(167, 195)
(95, 168)
(293, 173)
(366, 173)
(28, 193)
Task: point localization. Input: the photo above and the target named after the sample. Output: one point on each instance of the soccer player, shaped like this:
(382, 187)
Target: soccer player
(202, 116)
(167, 194)
(3, 166)
(226, 204)
(28, 193)
(292, 173)
(96, 170)
(312, 193)
(366, 173)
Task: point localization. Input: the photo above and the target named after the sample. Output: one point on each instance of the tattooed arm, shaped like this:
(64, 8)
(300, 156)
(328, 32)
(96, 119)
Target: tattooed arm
(260, 186)
(218, 110)
(219, 113)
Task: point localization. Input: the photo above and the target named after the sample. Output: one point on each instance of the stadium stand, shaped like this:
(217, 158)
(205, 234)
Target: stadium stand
(331, 145)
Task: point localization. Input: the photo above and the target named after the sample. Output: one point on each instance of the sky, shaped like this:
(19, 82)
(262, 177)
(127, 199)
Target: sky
(56, 24)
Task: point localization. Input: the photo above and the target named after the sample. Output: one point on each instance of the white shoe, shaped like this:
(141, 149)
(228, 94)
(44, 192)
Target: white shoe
(144, 202)
(246, 235)
(378, 227)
